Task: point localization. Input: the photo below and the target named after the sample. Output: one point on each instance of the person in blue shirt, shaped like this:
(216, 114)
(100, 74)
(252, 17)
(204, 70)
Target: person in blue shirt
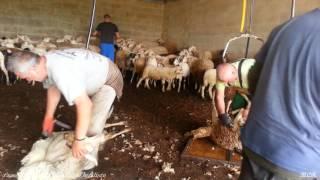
(281, 138)
(108, 32)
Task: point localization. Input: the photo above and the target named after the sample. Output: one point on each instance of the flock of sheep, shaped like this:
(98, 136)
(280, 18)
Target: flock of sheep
(158, 63)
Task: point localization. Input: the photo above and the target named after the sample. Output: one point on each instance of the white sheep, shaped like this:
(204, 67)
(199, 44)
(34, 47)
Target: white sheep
(39, 51)
(8, 43)
(183, 77)
(159, 50)
(27, 45)
(138, 66)
(46, 45)
(166, 60)
(3, 68)
(209, 78)
(198, 68)
(160, 73)
(52, 158)
(46, 39)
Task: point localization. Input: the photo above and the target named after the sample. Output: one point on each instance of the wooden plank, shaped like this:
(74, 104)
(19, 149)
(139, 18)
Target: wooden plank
(204, 149)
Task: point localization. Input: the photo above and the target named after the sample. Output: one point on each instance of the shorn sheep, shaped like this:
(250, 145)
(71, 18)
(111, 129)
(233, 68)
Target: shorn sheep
(52, 159)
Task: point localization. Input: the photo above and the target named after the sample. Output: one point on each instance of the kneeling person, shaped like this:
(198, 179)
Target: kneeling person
(240, 75)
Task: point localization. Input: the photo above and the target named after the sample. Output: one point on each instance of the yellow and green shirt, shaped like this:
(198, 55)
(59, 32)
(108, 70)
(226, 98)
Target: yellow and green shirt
(246, 65)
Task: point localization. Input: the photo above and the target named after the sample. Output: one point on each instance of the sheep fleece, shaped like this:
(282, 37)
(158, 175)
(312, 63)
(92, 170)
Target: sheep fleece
(51, 159)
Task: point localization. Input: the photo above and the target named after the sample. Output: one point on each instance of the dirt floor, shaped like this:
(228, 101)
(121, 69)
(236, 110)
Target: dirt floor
(158, 121)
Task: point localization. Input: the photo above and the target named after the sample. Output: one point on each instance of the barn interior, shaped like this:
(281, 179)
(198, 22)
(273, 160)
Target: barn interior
(160, 118)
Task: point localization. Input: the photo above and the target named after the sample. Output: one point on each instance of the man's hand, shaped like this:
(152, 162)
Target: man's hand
(47, 126)
(78, 149)
(225, 120)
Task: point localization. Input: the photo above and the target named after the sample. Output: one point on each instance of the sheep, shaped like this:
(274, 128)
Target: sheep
(39, 51)
(151, 59)
(46, 40)
(160, 73)
(46, 45)
(166, 60)
(138, 66)
(198, 68)
(185, 73)
(8, 43)
(209, 78)
(138, 48)
(66, 38)
(170, 46)
(143, 58)
(81, 39)
(94, 48)
(27, 46)
(120, 60)
(3, 68)
(52, 158)
(194, 51)
(227, 138)
(185, 59)
(149, 44)
(25, 38)
(159, 50)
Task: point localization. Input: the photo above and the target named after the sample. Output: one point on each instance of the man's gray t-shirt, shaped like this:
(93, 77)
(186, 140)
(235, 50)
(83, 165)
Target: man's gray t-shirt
(76, 71)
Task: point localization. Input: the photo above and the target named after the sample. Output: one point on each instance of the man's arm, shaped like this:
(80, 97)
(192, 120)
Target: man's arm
(97, 30)
(117, 35)
(221, 108)
(219, 101)
(95, 33)
(53, 98)
(83, 108)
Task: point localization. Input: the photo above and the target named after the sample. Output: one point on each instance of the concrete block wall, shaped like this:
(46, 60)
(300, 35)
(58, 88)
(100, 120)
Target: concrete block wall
(135, 18)
(209, 24)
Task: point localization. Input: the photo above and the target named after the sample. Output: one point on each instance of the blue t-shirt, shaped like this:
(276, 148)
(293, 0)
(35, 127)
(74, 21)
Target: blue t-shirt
(284, 123)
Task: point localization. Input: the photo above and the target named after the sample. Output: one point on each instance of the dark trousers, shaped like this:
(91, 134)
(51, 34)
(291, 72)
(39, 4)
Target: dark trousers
(251, 170)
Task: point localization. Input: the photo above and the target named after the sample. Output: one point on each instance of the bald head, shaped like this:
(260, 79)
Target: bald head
(227, 73)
